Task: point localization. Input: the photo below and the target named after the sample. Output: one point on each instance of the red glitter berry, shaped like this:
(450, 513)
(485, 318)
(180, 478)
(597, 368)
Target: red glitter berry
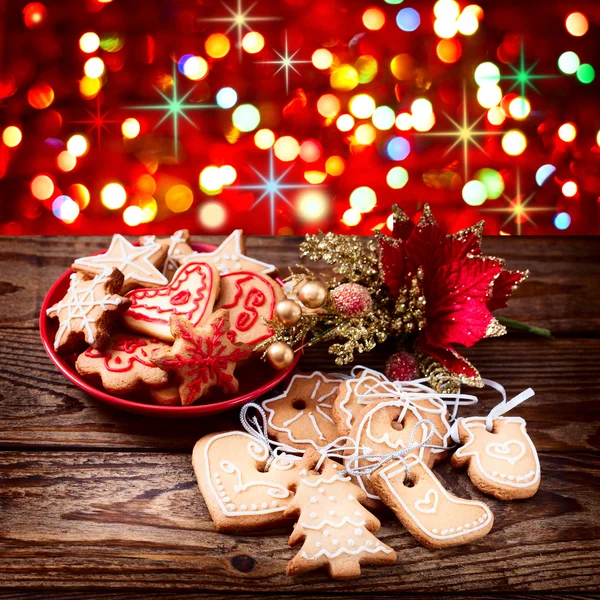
(402, 366)
(351, 299)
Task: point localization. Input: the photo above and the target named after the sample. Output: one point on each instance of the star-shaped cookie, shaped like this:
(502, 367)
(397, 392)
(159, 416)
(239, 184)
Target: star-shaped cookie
(229, 257)
(88, 310)
(202, 357)
(177, 249)
(137, 263)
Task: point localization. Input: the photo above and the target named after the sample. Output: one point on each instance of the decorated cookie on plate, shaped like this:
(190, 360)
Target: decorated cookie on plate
(202, 357)
(177, 246)
(137, 263)
(124, 365)
(191, 294)
(88, 310)
(301, 416)
(167, 396)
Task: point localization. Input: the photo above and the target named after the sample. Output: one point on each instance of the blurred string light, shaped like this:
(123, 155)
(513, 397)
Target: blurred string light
(217, 45)
(94, 67)
(543, 173)
(12, 136)
(408, 19)
(80, 194)
(175, 107)
(66, 161)
(212, 215)
(562, 221)
(496, 115)
(286, 62)
(363, 199)
(519, 108)
(210, 180)
(465, 133)
(42, 187)
(344, 78)
(586, 73)
(322, 59)
(335, 166)
(328, 106)
(246, 117)
(362, 106)
(65, 209)
(514, 142)
(493, 182)
(313, 205)
(310, 151)
(569, 189)
(97, 121)
(567, 132)
(345, 122)
(448, 50)
(226, 97)
(286, 148)
(77, 145)
(179, 198)
(130, 128)
(133, 216)
(383, 118)
(568, 62)
(398, 148)
(577, 24)
(272, 188)
(373, 19)
(365, 134)
(315, 177)
(253, 42)
(40, 95)
(113, 196)
(474, 193)
(89, 42)
(241, 19)
(264, 139)
(195, 68)
(397, 178)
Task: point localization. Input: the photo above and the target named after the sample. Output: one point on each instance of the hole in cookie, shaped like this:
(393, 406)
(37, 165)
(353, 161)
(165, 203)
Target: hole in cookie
(314, 472)
(397, 425)
(409, 482)
(299, 404)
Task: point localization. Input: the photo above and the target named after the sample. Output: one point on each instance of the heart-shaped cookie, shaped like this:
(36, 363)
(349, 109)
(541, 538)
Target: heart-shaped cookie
(191, 294)
(239, 493)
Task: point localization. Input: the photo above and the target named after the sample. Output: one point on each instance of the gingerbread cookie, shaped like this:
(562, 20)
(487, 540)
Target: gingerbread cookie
(433, 515)
(168, 396)
(177, 247)
(202, 357)
(250, 299)
(124, 365)
(191, 294)
(88, 310)
(137, 263)
(239, 493)
(502, 462)
(229, 257)
(336, 531)
(301, 416)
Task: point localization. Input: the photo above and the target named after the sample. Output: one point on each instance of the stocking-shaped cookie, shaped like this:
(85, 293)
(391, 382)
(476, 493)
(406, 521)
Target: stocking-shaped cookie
(432, 514)
(502, 462)
(336, 531)
(301, 416)
(239, 493)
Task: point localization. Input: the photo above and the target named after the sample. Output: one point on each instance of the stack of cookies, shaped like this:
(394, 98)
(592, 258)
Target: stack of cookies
(161, 318)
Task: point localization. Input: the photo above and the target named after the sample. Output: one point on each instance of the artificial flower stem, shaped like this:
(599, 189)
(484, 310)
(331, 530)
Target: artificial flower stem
(518, 325)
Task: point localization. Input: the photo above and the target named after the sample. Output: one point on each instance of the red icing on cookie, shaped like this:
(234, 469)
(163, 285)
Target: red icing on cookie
(133, 347)
(247, 299)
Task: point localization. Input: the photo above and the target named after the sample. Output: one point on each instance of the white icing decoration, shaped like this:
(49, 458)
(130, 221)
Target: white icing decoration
(503, 451)
(429, 503)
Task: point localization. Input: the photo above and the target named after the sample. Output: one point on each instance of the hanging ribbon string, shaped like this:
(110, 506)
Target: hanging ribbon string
(500, 409)
(400, 454)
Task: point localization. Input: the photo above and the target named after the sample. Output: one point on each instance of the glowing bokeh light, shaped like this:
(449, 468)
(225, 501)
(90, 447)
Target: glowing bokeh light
(489, 96)
(398, 148)
(34, 15)
(253, 42)
(421, 107)
(487, 73)
(89, 87)
(315, 177)
(328, 105)
(322, 59)
(217, 45)
(77, 145)
(246, 117)
(403, 67)
(226, 97)
(113, 196)
(362, 106)
(365, 134)
(286, 148)
(145, 183)
(493, 182)
(40, 95)
(179, 198)
(445, 28)
(344, 78)
(383, 118)
(212, 215)
(496, 115)
(351, 217)
(335, 166)
(65, 161)
(577, 24)
(562, 221)
(467, 23)
(94, 67)
(373, 19)
(210, 180)
(80, 194)
(569, 189)
(228, 174)
(543, 173)
(310, 151)
(42, 187)
(12, 136)
(586, 73)
(89, 42)
(195, 68)
(133, 215)
(65, 209)
(345, 122)
(423, 121)
(312, 206)
(446, 9)
(514, 142)
(130, 128)
(408, 19)
(567, 132)
(448, 50)
(397, 177)
(474, 193)
(568, 62)
(363, 199)
(264, 139)
(519, 108)
(404, 121)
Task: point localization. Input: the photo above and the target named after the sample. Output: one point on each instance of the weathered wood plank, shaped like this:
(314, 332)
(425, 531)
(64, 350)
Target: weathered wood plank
(192, 595)
(98, 520)
(40, 408)
(561, 292)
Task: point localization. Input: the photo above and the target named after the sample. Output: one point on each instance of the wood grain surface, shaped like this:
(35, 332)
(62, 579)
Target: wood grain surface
(97, 503)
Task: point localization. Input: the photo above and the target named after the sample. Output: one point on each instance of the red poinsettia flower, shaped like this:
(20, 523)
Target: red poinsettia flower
(461, 286)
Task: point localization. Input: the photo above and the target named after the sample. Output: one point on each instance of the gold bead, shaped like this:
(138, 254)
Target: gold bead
(288, 312)
(313, 294)
(280, 355)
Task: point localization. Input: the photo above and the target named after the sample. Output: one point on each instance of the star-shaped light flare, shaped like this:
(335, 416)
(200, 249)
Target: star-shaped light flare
(175, 107)
(272, 187)
(465, 133)
(286, 62)
(98, 121)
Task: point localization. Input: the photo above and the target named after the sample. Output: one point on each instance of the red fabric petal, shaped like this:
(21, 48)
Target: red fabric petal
(503, 288)
(392, 258)
(452, 361)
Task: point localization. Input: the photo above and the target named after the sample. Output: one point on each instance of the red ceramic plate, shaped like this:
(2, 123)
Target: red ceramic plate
(255, 380)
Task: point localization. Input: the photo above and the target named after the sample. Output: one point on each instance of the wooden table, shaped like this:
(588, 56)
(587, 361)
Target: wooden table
(95, 502)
